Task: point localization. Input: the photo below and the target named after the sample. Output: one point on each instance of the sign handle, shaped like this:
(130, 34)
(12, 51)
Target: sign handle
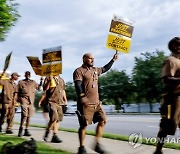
(116, 52)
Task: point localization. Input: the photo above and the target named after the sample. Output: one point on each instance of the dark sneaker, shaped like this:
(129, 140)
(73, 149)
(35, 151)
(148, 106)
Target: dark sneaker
(82, 150)
(9, 132)
(20, 132)
(99, 149)
(158, 152)
(46, 135)
(56, 139)
(26, 133)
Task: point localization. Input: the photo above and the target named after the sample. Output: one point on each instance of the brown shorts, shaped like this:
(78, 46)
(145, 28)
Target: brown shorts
(55, 112)
(170, 113)
(90, 113)
(27, 109)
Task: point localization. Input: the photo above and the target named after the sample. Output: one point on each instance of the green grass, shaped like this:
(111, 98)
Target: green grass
(172, 146)
(41, 148)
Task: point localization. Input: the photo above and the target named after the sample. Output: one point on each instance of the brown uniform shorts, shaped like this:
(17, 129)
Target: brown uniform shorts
(90, 113)
(55, 112)
(27, 109)
(170, 113)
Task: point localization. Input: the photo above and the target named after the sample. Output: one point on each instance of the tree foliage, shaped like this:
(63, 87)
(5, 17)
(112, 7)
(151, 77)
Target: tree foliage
(147, 76)
(8, 16)
(115, 86)
(70, 91)
(38, 95)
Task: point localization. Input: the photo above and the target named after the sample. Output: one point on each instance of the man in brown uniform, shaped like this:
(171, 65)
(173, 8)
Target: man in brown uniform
(88, 105)
(26, 89)
(54, 92)
(9, 100)
(170, 105)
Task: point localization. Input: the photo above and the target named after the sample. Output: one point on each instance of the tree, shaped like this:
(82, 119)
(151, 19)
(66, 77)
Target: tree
(8, 16)
(115, 86)
(147, 76)
(70, 91)
(38, 95)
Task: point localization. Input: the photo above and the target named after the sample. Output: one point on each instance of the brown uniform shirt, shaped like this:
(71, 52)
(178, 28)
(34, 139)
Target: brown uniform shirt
(89, 78)
(8, 91)
(55, 94)
(27, 89)
(171, 68)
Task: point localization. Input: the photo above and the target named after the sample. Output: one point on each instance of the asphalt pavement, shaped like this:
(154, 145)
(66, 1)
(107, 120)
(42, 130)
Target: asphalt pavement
(71, 143)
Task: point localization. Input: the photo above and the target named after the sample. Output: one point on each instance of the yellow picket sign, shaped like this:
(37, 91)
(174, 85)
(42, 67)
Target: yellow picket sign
(52, 61)
(35, 64)
(120, 33)
(52, 56)
(118, 43)
(121, 28)
(52, 69)
(4, 77)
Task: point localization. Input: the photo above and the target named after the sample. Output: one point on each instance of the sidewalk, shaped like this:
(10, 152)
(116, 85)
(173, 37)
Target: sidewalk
(70, 143)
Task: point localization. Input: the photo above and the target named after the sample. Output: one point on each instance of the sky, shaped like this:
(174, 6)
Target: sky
(82, 26)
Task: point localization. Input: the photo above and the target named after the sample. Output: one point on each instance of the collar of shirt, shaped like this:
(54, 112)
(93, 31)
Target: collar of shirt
(88, 68)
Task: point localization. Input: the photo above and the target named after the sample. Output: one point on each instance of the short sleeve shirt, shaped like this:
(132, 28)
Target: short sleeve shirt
(171, 68)
(8, 91)
(27, 88)
(55, 94)
(89, 78)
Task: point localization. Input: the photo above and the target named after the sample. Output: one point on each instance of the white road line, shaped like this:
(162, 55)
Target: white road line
(153, 126)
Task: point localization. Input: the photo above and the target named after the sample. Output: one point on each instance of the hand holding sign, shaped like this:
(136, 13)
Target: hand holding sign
(115, 57)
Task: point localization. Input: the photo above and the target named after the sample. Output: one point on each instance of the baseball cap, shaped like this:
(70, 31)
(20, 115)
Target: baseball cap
(15, 74)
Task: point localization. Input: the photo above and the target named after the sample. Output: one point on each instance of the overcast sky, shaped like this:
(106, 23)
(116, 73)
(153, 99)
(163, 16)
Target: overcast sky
(81, 26)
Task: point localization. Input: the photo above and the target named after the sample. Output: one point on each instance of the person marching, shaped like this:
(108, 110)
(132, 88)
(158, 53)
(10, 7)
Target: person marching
(26, 92)
(89, 107)
(9, 100)
(170, 104)
(55, 95)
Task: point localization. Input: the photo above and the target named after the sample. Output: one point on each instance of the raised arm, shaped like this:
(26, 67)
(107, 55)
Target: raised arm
(40, 84)
(109, 65)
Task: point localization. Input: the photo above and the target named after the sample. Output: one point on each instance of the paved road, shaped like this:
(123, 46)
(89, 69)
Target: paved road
(147, 125)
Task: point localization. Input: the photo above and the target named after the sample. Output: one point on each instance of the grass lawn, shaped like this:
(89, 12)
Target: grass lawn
(41, 148)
